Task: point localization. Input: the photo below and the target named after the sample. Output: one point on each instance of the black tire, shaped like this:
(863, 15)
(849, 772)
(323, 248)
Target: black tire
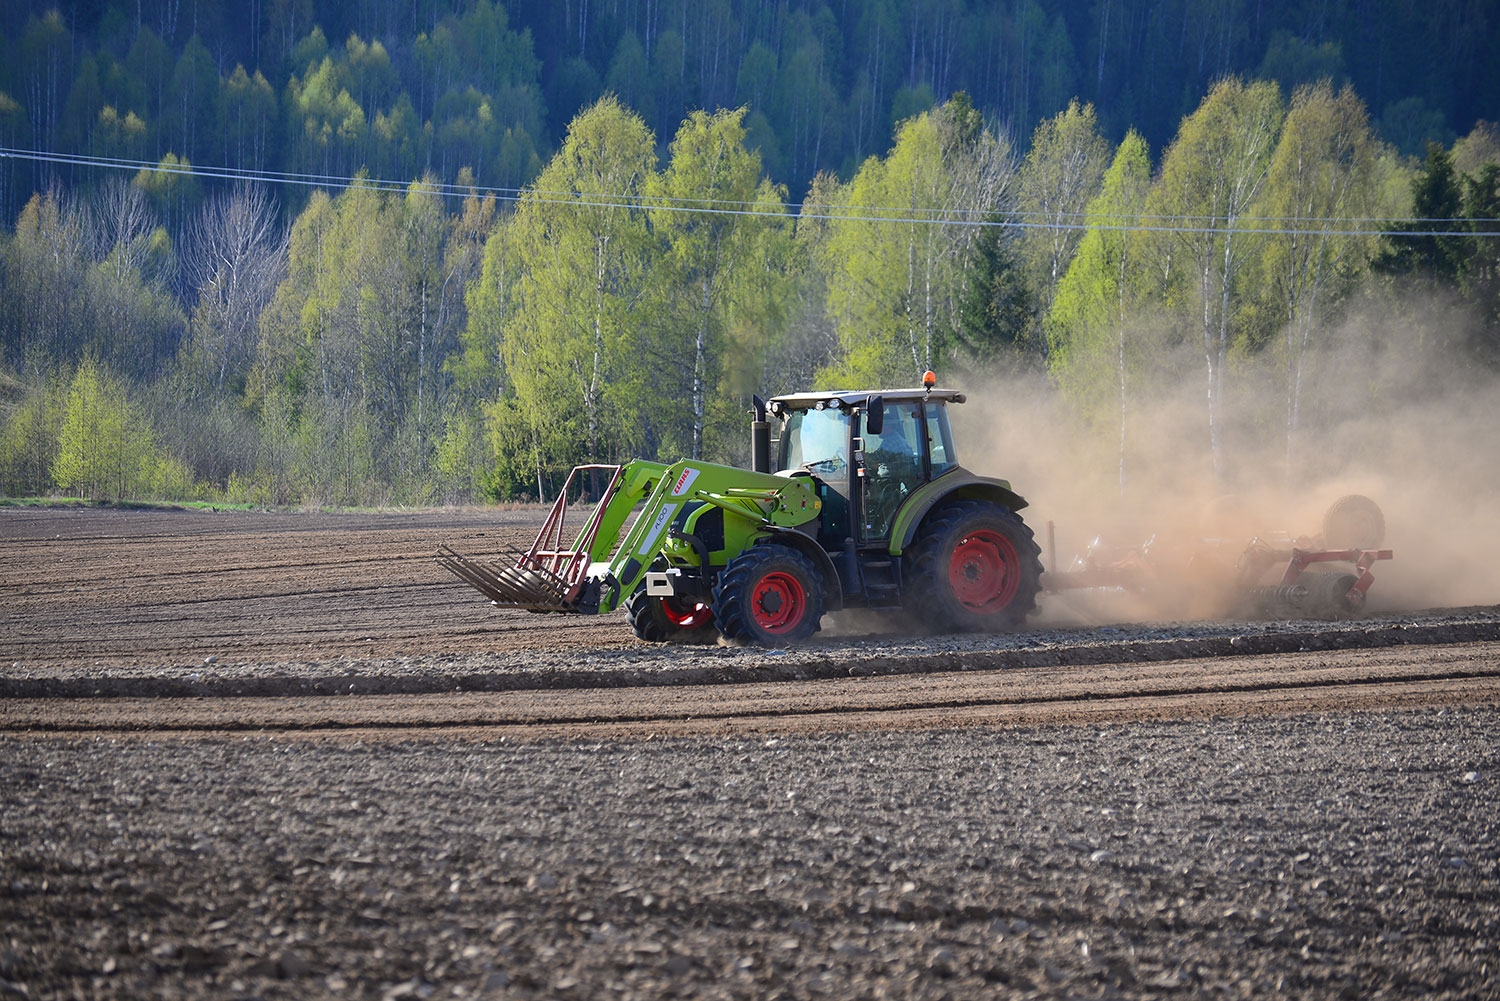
(770, 594)
(1353, 522)
(666, 620)
(974, 566)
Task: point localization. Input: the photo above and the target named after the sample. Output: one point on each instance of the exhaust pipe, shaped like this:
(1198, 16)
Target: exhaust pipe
(760, 437)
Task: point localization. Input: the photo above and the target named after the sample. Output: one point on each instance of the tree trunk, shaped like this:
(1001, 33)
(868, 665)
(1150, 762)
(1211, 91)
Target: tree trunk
(700, 361)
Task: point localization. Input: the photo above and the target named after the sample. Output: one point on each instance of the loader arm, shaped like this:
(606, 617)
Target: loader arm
(637, 480)
(753, 504)
(596, 570)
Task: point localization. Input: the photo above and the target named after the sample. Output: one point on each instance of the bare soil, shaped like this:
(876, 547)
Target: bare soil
(113, 588)
(286, 756)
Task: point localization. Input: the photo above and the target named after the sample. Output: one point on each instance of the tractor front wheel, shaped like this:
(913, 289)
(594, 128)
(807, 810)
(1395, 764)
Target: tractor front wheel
(975, 567)
(769, 594)
(669, 620)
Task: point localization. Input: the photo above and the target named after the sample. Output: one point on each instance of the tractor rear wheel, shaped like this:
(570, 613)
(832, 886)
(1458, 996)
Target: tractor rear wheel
(669, 620)
(975, 567)
(769, 594)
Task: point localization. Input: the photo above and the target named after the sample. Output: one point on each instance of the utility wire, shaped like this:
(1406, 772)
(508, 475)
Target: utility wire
(915, 215)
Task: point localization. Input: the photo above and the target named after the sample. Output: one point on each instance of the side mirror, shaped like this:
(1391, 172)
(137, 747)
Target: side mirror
(875, 415)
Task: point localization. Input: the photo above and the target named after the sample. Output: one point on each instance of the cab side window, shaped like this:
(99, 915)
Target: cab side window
(940, 441)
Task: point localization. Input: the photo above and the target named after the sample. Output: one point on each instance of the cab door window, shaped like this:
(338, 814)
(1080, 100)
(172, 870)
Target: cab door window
(893, 467)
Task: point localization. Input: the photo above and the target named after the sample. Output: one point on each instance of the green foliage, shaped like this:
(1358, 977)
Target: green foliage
(89, 279)
(1320, 188)
(997, 315)
(107, 449)
(517, 467)
(1472, 153)
(828, 81)
(479, 366)
(94, 450)
(172, 188)
(1294, 62)
(116, 136)
(896, 249)
(1211, 176)
(1434, 253)
(400, 347)
(1481, 273)
(706, 279)
(460, 457)
(356, 336)
(582, 249)
(1058, 177)
(30, 425)
(1411, 125)
(1453, 250)
(46, 262)
(248, 113)
(1089, 326)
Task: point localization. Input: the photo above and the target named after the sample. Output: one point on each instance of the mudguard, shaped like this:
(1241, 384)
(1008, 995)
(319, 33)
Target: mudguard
(833, 593)
(956, 484)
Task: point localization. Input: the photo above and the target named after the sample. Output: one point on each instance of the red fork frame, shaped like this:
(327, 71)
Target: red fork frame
(550, 553)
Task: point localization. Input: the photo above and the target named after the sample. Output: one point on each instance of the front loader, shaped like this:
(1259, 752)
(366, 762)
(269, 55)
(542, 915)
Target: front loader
(859, 502)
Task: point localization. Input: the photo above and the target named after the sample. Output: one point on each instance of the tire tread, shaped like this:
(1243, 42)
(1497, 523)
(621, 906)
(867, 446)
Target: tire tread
(928, 587)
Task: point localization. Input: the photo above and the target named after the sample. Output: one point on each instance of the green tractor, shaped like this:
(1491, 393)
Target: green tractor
(859, 502)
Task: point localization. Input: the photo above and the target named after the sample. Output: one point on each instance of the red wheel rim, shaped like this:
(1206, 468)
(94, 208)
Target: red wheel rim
(984, 571)
(694, 616)
(778, 602)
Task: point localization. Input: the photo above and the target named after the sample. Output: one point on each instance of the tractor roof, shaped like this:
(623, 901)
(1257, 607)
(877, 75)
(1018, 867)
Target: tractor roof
(845, 399)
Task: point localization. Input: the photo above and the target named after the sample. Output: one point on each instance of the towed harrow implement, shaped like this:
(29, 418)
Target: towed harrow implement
(1273, 574)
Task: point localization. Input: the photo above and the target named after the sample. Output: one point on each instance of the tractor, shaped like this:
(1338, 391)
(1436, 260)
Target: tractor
(858, 502)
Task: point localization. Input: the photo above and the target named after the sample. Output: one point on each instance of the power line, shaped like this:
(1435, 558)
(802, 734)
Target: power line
(913, 215)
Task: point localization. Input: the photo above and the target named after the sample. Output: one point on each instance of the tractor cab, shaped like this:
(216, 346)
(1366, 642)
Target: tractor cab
(867, 451)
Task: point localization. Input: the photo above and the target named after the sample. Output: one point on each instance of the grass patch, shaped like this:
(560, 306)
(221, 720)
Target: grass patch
(219, 507)
(129, 505)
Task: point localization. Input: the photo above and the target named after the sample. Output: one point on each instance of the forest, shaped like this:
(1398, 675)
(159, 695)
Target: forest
(441, 250)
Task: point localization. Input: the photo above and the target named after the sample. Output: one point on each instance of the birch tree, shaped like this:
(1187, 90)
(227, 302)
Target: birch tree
(44, 260)
(708, 213)
(106, 448)
(1089, 323)
(1059, 176)
(235, 256)
(1320, 187)
(900, 236)
(581, 244)
(1211, 176)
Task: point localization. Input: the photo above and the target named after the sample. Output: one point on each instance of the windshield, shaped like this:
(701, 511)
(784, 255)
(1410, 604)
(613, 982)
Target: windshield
(815, 439)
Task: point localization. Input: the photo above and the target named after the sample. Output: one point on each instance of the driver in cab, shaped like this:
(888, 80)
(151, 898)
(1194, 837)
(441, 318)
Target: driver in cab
(893, 460)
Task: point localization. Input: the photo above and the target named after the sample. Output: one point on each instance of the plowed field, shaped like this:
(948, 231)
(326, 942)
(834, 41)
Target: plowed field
(288, 756)
(123, 587)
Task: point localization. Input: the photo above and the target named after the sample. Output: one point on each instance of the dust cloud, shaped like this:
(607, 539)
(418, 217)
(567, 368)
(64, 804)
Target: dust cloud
(1390, 411)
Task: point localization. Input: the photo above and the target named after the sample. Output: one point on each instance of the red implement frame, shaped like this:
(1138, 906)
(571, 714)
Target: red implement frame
(549, 577)
(552, 552)
(1132, 569)
(1362, 559)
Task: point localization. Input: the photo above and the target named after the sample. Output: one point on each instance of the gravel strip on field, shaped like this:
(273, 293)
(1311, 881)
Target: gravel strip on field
(638, 664)
(1308, 856)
